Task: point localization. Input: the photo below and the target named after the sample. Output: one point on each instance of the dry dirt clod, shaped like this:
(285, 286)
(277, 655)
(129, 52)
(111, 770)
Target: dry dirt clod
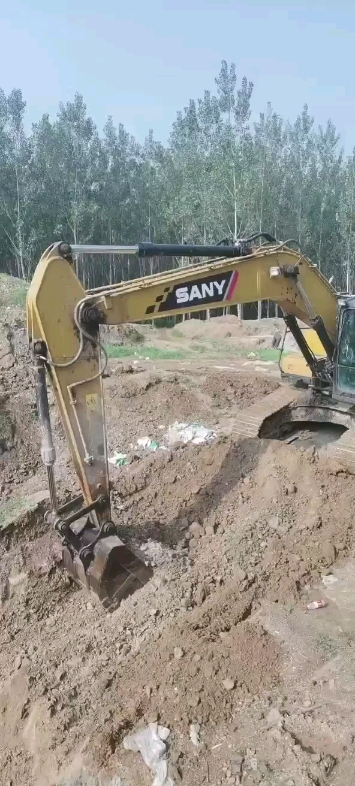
(209, 530)
(200, 595)
(228, 684)
(178, 653)
(291, 488)
(236, 764)
(274, 718)
(185, 603)
(196, 530)
(328, 554)
(239, 574)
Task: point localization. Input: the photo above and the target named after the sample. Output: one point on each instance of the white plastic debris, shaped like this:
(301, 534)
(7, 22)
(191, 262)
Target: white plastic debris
(150, 743)
(316, 604)
(185, 432)
(329, 580)
(147, 443)
(118, 459)
(195, 734)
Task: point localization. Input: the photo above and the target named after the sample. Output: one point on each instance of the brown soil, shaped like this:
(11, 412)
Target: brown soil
(242, 390)
(19, 442)
(225, 327)
(239, 534)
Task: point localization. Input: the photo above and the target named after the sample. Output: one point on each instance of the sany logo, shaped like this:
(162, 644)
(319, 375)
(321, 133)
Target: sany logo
(214, 288)
(200, 292)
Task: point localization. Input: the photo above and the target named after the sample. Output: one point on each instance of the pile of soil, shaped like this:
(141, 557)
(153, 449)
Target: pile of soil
(19, 437)
(241, 390)
(228, 326)
(238, 533)
(144, 403)
(187, 647)
(121, 335)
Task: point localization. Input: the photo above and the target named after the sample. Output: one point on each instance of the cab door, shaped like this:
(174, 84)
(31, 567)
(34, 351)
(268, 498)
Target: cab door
(344, 359)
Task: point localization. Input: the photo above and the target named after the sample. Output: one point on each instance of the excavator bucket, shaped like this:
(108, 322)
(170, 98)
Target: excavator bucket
(105, 566)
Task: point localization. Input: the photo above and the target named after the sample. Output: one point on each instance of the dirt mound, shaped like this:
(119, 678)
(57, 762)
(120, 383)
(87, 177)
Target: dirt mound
(239, 389)
(144, 404)
(227, 326)
(216, 328)
(186, 648)
(19, 440)
(121, 335)
(251, 327)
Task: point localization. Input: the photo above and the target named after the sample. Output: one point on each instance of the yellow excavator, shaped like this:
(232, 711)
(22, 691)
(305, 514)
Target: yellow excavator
(63, 322)
(292, 365)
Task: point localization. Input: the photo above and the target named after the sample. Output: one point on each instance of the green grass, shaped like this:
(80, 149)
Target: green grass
(212, 349)
(153, 353)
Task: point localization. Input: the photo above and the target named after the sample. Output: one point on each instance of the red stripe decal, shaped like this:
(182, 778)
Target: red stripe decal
(232, 285)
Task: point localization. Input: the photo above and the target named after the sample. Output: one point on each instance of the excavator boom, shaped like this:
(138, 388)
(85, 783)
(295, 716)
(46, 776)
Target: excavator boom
(63, 322)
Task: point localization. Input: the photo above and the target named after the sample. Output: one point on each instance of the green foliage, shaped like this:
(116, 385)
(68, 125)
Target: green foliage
(151, 353)
(219, 176)
(195, 348)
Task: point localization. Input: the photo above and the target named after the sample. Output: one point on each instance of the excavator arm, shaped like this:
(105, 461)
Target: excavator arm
(63, 322)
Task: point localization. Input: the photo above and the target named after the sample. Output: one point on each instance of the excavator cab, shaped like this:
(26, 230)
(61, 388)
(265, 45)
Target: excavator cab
(344, 360)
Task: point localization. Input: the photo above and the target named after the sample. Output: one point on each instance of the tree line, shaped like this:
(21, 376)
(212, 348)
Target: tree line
(219, 176)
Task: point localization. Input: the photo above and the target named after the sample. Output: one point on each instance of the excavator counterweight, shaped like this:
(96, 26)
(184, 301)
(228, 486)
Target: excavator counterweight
(63, 323)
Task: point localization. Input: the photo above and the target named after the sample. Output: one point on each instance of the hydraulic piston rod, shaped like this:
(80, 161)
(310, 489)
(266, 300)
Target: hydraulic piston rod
(241, 248)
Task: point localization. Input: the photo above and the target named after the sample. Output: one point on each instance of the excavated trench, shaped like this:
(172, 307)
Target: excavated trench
(303, 434)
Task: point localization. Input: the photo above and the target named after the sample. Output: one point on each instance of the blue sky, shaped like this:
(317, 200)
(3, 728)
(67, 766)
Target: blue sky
(141, 61)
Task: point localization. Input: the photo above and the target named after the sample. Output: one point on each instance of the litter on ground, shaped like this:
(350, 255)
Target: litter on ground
(185, 432)
(147, 443)
(316, 604)
(177, 433)
(150, 743)
(118, 460)
(329, 580)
